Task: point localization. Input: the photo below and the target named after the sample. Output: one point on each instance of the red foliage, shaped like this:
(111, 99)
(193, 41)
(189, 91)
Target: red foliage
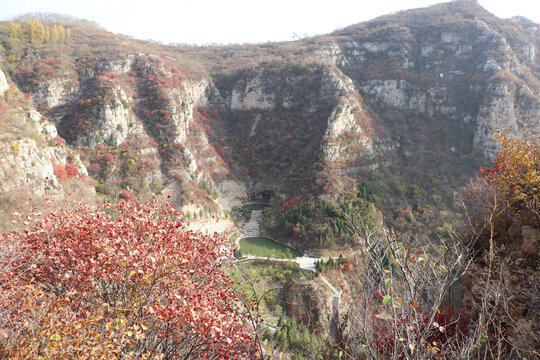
(405, 213)
(153, 143)
(87, 180)
(131, 270)
(60, 172)
(27, 96)
(446, 327)
(58, 140)
(286, 205)
(126, 195)
(108, 157)
(203, 111)
(94, 168)
(72, 170)
(3, 110)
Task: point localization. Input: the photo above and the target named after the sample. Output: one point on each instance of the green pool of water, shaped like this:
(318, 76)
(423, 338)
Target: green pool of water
(260, 246)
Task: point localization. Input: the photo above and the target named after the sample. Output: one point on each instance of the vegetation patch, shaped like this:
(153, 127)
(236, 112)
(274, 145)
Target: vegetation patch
(261, 246)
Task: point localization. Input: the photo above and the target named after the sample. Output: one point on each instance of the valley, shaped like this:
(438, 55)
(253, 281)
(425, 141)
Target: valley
(343, 170)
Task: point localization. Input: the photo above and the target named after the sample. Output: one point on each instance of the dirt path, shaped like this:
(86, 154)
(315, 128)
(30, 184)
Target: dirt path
(335, 307)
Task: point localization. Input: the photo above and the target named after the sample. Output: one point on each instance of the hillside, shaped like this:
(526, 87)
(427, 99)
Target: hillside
(357, 117)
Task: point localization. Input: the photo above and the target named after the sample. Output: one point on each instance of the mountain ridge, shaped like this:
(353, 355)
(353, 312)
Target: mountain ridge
(347, 116)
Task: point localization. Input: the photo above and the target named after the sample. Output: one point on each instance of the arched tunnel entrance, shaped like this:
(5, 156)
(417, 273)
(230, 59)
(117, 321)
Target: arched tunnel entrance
(261, 196)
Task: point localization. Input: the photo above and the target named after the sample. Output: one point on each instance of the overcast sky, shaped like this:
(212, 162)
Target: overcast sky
(237, 21)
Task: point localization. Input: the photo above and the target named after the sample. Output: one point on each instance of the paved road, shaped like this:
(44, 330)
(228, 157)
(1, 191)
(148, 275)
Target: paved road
(304, 262)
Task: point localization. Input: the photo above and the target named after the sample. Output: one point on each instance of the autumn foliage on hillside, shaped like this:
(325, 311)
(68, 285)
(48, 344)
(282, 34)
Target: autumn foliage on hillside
(504, 279)
(118, 281)
(508, 193)
(516, 175)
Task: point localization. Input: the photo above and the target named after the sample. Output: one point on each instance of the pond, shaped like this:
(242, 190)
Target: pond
(261, 246)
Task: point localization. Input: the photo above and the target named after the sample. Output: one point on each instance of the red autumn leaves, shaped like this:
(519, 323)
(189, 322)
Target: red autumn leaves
(131, 276)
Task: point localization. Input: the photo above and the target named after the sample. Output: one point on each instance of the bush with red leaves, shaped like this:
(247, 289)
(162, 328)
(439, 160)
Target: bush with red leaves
(119, 281)
(126, 195)
(72, 170)
(108, 157)
(60, 172)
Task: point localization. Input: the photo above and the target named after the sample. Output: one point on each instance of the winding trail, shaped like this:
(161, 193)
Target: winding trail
(335, 308)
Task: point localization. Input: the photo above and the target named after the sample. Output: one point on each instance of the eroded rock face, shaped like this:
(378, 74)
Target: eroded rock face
(251, 96)
(27, 163)
(55, 92)
(3, 82)
(24, 163)
(344, 119)
(391, 92)
(181, 103)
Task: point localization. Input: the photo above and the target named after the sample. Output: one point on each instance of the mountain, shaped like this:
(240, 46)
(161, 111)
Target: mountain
(379, 123)
(392, 115)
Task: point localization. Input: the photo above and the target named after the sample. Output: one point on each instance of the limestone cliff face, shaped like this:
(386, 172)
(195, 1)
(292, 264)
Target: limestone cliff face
(31, 157)
(345, 121)
(25, 164)
(181, 102)
(55, 92)
(466, 69)
(251, 95)
(3, 82)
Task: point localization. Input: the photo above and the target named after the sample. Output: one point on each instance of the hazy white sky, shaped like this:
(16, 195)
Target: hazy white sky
(237, 21)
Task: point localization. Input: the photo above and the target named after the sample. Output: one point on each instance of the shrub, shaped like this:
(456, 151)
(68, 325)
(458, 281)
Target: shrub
(415, 326)
(108, 157)
(118, 281)
(72, 170)
(126, 195)
(58, 141)
(3, 110)
(60, 172)
(516, 174)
